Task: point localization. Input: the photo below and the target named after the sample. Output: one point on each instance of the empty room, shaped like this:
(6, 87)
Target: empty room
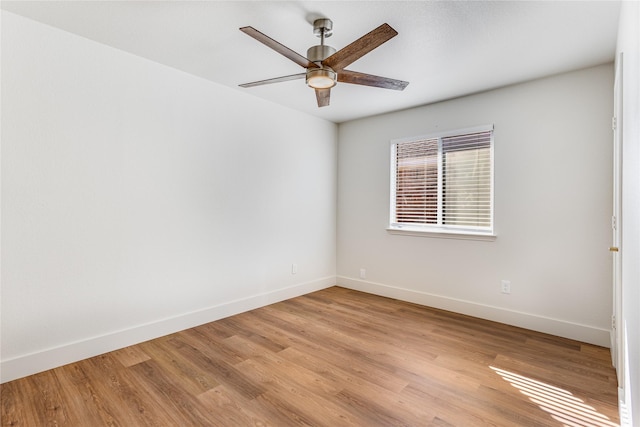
(332, 213)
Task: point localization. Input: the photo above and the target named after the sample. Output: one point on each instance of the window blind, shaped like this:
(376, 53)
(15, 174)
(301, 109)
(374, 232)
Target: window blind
(417, 182)
(467, 180)
(444, 182)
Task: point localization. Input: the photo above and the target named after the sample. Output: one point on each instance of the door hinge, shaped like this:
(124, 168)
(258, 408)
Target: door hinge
(614, 222)
(614, 123)
(613, 321)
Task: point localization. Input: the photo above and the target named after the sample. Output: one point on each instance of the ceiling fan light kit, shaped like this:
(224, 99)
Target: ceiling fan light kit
(321, 78)
(325, 66)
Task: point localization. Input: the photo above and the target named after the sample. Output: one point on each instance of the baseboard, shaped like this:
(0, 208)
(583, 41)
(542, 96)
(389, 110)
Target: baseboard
(561, 328)
(29, 364)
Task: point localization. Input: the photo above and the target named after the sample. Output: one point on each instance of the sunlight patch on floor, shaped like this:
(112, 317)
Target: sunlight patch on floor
(560, 404)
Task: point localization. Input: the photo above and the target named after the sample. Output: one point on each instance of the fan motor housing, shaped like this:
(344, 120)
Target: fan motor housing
(320, 52)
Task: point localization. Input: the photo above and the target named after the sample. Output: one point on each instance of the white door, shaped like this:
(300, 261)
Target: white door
(617, 338)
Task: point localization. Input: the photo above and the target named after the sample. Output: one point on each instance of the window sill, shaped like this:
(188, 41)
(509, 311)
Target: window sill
(463, 235)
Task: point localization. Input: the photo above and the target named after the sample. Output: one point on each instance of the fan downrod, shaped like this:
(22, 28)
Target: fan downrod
(321, 28)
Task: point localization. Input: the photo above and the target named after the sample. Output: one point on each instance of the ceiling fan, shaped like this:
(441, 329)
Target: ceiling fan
(325, 66)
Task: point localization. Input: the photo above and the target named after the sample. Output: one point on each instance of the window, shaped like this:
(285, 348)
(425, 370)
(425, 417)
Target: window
(443, 183)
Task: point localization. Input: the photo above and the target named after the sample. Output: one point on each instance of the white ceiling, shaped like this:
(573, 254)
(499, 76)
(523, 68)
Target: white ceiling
(445, 49)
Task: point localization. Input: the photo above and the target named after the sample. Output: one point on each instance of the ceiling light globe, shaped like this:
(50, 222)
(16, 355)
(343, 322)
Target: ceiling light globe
(321, 78)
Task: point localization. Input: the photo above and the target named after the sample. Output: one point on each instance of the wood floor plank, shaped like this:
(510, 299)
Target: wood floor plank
(101, 399)
(268, 365)
(335, 357)
(274, 362)
(131, 355)
(224, 372)
(234, 409)
(348, 326)
(242, 325)
(193, 379)
(313, 404)
(79, 398)
(167, 392)
(335, 347)
(379, 410)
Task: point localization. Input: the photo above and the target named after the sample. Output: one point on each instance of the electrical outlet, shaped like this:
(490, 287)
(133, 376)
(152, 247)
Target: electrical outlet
(505, 286)
(294, 268)
(363, 273)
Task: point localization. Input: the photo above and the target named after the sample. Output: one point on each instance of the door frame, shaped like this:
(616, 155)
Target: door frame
(617, 326)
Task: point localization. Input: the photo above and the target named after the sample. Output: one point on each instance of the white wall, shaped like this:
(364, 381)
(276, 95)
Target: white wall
(629, 46)
(138, 200)
(552, 209)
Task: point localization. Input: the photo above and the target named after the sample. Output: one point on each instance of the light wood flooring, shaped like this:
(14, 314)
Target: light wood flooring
(336, 357)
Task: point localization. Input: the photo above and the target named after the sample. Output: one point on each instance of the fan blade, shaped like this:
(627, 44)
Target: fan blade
(275, 80)
(280, 48)
(354, 77)
(360, 47)
(322, 96)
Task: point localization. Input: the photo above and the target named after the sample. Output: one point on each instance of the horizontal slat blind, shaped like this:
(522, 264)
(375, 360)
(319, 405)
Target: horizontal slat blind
(417, 182)
(445, 181)
(467, 180)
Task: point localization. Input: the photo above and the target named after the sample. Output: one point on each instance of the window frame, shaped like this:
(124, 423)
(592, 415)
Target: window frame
(444, 231)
